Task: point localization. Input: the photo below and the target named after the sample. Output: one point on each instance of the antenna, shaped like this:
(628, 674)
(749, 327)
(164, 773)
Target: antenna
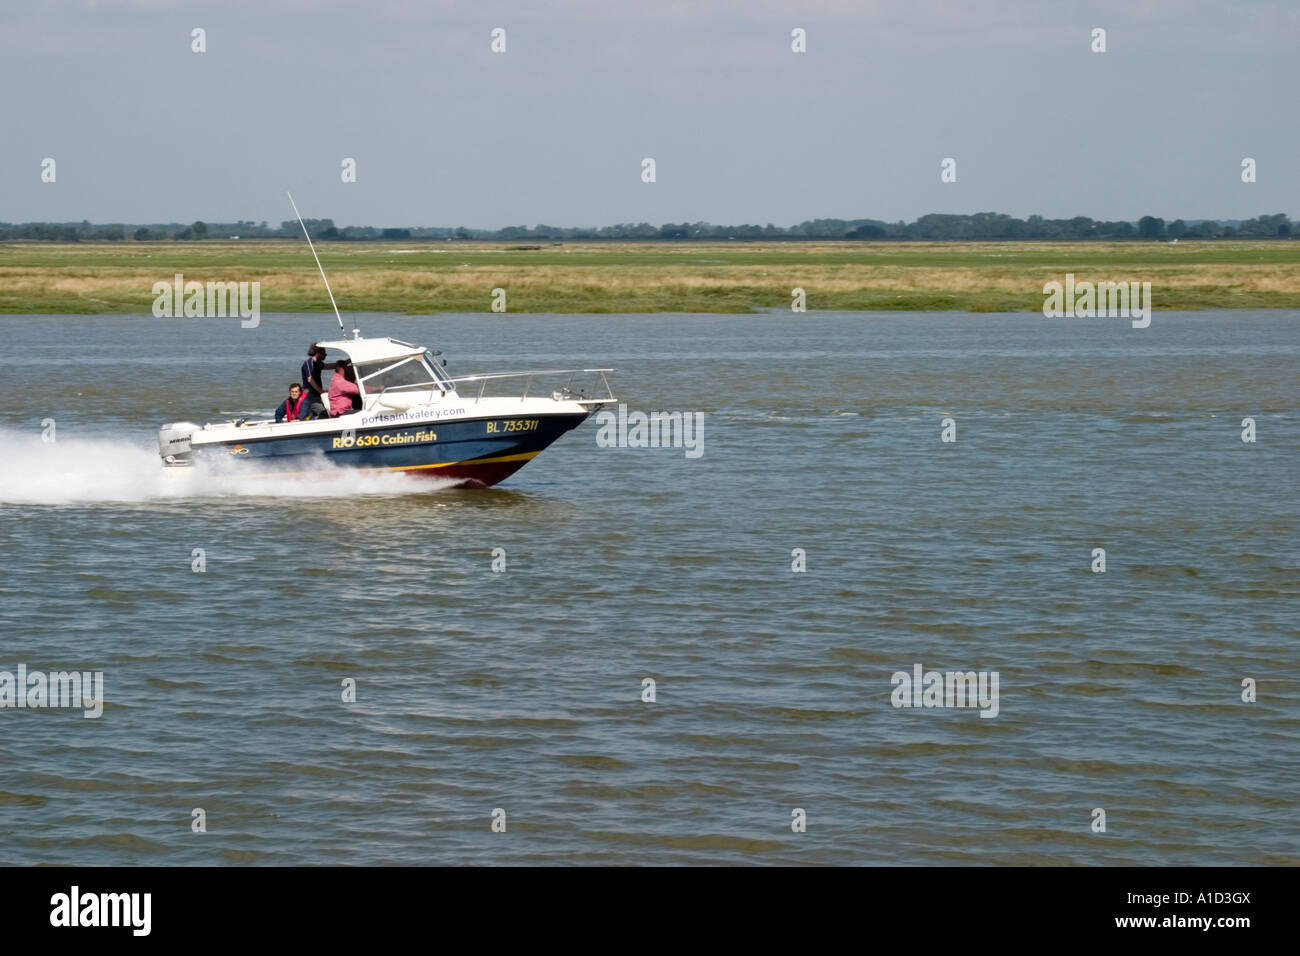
(317, 258)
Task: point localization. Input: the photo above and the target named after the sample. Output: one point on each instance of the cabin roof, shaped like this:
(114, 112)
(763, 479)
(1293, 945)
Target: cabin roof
(373, 350)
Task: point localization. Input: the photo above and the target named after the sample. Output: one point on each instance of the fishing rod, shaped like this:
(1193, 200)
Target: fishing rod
(317, 258)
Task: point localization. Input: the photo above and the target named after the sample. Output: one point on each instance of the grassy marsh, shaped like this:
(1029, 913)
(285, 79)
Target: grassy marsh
(421, 278)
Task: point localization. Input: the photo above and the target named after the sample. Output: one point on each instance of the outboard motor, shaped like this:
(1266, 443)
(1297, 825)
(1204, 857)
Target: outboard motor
(174, 443)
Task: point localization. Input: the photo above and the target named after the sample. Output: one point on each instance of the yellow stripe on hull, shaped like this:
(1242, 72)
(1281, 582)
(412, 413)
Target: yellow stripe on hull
(523, 456)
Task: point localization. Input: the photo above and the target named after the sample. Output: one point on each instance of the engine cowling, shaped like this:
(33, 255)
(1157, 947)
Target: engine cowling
(174, 442)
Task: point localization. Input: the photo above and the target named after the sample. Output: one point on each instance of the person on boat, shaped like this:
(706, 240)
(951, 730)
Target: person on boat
(295, 408)
(356, 399)
(345, 395)
(312, 370)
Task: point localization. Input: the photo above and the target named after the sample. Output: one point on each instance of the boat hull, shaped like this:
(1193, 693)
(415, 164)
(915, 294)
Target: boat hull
(478, 452)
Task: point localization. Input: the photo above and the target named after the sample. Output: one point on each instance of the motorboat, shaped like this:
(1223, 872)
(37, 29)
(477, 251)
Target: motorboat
(412, 418)
(409, 417)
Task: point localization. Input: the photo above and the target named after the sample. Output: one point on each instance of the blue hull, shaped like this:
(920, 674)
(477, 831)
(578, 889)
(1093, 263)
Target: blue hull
(467, 451)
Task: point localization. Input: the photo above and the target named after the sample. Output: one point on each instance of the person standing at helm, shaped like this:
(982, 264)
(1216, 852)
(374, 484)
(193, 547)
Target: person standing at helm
(312, 370)
(342, 392)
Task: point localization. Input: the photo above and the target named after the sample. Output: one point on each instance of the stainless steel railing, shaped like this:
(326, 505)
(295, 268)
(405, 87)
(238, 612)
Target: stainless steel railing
(565, 393)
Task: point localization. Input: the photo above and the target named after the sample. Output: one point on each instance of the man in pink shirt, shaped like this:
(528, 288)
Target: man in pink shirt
(342, 391)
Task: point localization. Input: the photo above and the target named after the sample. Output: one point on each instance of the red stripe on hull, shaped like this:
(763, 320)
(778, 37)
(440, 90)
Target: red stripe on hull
(469, 475)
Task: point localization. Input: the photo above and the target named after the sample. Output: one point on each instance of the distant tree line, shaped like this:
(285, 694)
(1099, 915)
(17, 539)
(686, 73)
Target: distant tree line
(984, 226)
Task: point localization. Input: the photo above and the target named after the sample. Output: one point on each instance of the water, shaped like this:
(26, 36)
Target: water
(521, 690)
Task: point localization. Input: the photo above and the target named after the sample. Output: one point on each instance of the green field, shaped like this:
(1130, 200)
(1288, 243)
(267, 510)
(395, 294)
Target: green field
(90, 277)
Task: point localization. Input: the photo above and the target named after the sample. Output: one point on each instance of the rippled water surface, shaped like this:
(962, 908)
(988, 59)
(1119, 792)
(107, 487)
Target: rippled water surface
(521, 690)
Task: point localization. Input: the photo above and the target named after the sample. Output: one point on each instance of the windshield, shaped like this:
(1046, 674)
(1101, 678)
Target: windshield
(410, 374)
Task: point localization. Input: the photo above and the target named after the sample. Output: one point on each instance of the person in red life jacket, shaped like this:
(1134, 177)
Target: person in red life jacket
(295, 408)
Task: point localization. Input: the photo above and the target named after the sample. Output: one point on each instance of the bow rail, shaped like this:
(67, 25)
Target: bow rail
(563, 393)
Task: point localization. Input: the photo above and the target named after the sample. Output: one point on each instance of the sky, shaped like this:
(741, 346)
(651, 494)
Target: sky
(742, 129)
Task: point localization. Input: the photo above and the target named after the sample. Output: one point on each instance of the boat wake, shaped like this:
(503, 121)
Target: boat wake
(82, 470)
